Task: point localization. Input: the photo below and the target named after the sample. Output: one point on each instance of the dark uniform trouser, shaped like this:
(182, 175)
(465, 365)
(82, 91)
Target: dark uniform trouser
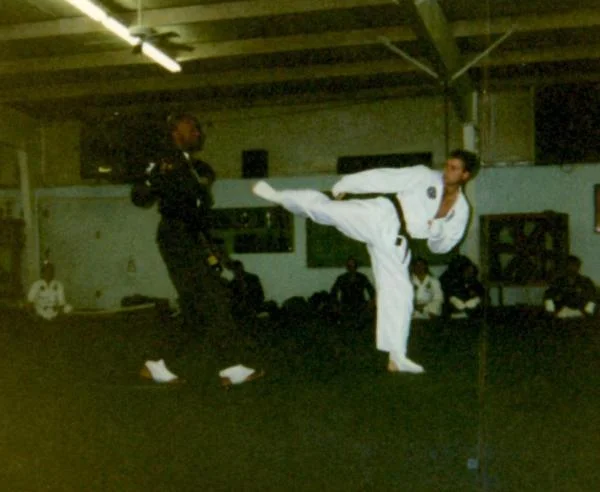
(203, 299)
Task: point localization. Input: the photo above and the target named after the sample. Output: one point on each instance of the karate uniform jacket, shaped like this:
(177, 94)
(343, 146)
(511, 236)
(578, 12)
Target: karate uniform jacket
(183, 191)
(419, 190)
(429, 297)
(47, 298)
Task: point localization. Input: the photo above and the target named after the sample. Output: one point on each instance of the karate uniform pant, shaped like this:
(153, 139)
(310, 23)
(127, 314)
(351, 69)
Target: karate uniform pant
(375, 223)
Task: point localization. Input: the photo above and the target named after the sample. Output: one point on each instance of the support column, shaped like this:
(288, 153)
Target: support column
(31, 258)
(470, 128)
(470, 134)
(432, 26)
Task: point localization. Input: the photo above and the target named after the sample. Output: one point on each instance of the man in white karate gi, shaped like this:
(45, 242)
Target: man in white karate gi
(46, 296)
(429, 297)
(424, 204)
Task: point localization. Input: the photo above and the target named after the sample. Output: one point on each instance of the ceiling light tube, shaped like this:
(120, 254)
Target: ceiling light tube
(159, 57)
(120, 30)
(89, 9)
(98, 14)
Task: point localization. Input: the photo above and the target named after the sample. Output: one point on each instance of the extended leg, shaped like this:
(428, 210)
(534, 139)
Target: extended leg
(367, 221)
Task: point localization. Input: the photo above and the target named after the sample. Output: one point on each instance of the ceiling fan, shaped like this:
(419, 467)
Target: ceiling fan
(162, 40)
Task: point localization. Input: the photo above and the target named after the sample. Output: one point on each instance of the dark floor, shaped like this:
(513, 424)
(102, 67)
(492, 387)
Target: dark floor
(76, 417)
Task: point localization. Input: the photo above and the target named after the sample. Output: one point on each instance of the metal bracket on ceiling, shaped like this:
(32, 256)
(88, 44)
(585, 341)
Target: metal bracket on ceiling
(484, 53)
(392, 47)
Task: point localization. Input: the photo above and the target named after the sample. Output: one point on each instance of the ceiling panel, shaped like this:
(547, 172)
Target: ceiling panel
(56, 63)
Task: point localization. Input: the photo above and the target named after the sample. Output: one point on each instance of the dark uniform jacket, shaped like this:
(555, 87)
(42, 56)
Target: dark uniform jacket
(574, 292)
(182, 188)
(352, 287)
(247, 293)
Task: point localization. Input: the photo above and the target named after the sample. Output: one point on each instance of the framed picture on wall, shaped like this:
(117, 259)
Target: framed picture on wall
(597, 208)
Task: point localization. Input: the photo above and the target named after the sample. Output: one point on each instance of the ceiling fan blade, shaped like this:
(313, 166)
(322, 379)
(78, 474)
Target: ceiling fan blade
(167, 35)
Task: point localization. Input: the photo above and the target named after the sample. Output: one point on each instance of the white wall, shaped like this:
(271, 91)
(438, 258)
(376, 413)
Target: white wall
(309, 140)
(283, 274)
(94, 232)
(523, 189)
(300, 141)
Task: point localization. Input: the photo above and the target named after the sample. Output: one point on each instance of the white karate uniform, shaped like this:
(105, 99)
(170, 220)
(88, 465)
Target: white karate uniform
(48, 298)
(374, 221)
(428, 293)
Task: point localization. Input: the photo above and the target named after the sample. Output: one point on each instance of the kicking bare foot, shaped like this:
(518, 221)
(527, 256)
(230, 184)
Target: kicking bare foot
(405, 365)
(266, 191)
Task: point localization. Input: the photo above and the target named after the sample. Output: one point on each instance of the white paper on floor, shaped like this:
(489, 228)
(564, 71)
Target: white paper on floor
(237, 374)
(159, 371)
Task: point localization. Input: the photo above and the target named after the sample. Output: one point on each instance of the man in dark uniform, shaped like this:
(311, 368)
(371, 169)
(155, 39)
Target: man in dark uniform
(464, 294)
(353, 293)
(572, 294)
(247, 294)
(182, 186)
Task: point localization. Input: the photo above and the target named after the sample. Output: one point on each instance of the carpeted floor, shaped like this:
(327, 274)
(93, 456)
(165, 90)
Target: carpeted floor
(75, 416)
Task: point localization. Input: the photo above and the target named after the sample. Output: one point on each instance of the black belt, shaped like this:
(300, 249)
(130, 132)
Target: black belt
(406, 235)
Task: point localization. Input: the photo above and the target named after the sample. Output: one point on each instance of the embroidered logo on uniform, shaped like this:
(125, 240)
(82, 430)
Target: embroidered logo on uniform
(431, 192)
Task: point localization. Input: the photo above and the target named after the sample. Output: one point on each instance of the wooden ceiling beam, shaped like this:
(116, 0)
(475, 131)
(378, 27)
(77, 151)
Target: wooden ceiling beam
(216, 79)
(183, 81)
(182, 15)
(582, 18)
(204, 51)
(574, 19)
(333, 39)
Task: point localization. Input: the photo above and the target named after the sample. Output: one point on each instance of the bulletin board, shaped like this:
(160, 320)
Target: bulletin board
(326, 247)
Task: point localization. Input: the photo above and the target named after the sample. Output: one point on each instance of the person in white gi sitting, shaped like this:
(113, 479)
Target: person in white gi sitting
(429, 297)
(47, 295)
(423, 203)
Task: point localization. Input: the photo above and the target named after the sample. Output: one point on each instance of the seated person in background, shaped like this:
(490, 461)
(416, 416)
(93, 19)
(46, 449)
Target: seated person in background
(247, 294)
(572, 294)
(352, 293)
(47, 295)
(463, 292)
(322, 306)
(429, 297)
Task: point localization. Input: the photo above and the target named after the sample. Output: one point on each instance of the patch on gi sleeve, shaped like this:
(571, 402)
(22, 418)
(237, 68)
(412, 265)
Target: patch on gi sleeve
(431, 192)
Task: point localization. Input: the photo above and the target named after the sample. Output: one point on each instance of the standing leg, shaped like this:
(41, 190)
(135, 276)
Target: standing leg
(180, 254)
(394, 305)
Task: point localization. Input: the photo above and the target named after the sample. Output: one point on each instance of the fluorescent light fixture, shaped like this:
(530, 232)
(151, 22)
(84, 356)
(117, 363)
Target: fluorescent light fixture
(89, 9)
(120, 30)
(98, 14)
(159, 57)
